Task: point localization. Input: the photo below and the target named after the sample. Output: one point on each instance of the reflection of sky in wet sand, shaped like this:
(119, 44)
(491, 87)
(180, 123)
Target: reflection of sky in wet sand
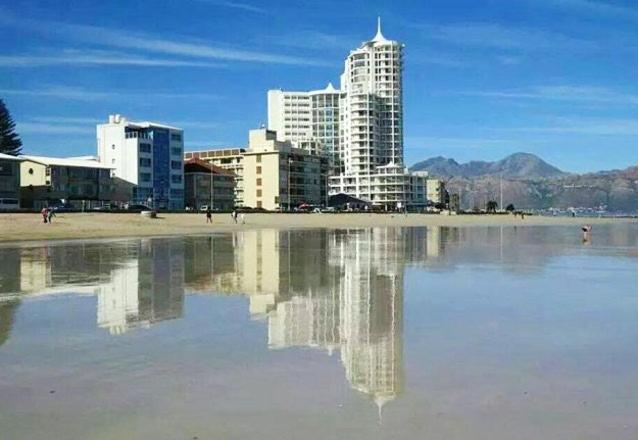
(455, 333)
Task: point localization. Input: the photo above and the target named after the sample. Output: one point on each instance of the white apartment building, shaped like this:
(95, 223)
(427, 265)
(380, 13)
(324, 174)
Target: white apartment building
(309, 120)
(147, 155)
(360, 126)
(372, 106)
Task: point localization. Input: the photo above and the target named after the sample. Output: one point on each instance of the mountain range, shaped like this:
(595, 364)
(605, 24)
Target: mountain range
(529, 182)
(515, 166)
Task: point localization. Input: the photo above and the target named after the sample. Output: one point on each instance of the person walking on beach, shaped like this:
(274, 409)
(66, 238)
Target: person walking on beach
(45, 215)
(209, 215)
(234, 215)
(50, 215)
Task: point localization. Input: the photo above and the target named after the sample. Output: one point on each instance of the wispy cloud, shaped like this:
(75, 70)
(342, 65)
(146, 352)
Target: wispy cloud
(236, 5)
(585, 126)
(428, 57)
(52, 128)
(586, 94)
(79, 120)
(86, 125)
(146, 42)
(82, 94)
(594, 8)
(496, 36)
(428, 142)
(123, 39)
(313, 40)
(97, 57)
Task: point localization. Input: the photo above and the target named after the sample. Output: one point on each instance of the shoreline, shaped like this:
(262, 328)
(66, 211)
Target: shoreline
(23, 228)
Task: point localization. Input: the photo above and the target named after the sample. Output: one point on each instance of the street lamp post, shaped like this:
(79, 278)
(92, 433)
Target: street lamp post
(211, 187)
(289, 180)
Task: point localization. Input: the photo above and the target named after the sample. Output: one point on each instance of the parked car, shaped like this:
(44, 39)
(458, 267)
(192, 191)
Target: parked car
(9, 204)
(137, 208)
(61, 207)
(103, 208)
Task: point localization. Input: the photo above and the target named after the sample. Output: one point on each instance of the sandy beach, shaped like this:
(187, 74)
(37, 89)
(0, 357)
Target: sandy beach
(25, 227)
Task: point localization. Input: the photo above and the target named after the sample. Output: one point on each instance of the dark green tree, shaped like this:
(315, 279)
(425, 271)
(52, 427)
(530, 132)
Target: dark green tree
(491, 206)
(10, 142)
(510, 208)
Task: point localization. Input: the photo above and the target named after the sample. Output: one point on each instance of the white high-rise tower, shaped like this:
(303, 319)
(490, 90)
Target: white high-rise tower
(364, 133)
(372, 106)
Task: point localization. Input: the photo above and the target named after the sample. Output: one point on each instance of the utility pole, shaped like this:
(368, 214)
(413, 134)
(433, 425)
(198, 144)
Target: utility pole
(501, 200)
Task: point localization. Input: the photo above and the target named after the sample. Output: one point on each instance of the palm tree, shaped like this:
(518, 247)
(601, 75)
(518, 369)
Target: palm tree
(10, 142)
(491, 206)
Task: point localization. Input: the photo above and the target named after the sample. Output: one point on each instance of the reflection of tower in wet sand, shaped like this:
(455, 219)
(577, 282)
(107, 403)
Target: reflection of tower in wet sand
(145, 290)
(355, 305)
(371, 300)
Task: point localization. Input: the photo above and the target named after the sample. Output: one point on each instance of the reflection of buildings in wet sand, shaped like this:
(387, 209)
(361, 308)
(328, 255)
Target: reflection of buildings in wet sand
(359, 310)
(144, 290)
(136, 283)
(268, 264)
(7, 316)
(318, 288)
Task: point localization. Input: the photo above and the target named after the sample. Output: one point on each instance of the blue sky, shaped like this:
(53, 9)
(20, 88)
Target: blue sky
(483, 78)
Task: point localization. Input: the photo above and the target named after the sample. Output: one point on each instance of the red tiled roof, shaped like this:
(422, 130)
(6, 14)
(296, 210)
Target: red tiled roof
(197, 165)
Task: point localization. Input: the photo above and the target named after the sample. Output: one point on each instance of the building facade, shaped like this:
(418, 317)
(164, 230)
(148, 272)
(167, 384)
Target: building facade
(231, 159)
(359, 126)
(208, 185)
(278, 176)
(372, 106)
(148, 155)
(9, 182)
(309, 120)
(436, 192)
(50, 180)
(389, 186)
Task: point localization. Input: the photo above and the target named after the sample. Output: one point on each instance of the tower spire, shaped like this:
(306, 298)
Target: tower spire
(379, 36)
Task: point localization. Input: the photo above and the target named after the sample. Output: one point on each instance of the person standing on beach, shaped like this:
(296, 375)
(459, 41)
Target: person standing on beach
(50, 214)
(45, 215)
(234, 215)
(209, 215)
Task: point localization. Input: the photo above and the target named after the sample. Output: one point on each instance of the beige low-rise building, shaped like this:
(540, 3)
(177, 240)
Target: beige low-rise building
(436, 193)
(278, 176)
(207, 185)
(78, 181)
(9, 182)
(231, 159)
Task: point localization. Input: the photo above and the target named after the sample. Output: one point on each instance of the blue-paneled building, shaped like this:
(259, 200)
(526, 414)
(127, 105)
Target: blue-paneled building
(148, 155)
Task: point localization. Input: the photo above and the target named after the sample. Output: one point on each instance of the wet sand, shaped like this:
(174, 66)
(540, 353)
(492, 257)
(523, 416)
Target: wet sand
(25, 227)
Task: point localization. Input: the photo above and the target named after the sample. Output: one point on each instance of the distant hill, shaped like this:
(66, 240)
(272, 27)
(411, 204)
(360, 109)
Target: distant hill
(531, 183)
(515, 166)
